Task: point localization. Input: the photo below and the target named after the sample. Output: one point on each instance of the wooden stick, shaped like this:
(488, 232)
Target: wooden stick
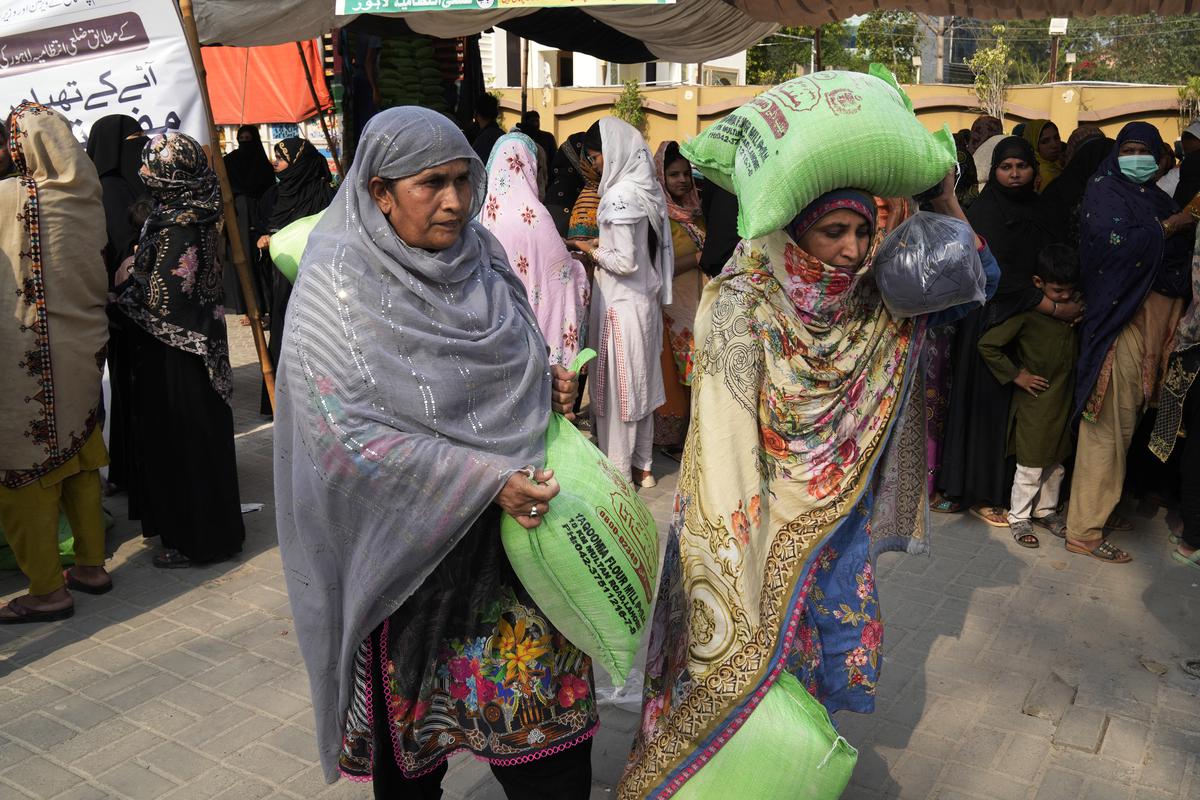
(524, 77)
(231, 222)
(312, 89)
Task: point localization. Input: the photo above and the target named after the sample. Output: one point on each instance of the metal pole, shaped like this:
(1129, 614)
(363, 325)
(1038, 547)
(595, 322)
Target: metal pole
(816, 56)
(941, 51)
(524, 77)
(1054, 58)
(312, 90)
(231, 223)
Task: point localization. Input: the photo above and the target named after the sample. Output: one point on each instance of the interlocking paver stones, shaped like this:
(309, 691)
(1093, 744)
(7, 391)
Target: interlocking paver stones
(1081, 729)
(193, 677)
(1049, 698)
(39, 777)
(1125, 740)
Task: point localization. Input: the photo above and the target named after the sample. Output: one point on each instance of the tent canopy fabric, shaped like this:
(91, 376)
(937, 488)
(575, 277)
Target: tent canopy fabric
(800, 12)
(253, 85)
(688, 31)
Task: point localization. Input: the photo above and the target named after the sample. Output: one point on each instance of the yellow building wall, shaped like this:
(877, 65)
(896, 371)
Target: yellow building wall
(680, 112)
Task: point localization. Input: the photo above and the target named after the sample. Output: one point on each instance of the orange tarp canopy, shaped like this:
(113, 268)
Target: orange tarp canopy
(253, 85)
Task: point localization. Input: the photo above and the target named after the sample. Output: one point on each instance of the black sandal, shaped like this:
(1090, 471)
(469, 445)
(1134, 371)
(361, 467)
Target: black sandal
(76, 585)
(172, 559)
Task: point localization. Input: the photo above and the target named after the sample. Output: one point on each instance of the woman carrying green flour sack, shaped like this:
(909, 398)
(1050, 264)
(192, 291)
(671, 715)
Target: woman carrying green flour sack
(414, 392)
(804, 460)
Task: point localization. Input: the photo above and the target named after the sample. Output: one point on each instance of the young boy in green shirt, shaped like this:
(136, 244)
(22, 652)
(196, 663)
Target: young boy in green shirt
(1039, 430)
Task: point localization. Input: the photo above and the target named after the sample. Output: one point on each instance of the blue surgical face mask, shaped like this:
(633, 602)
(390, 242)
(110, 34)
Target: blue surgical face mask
(1138, 169)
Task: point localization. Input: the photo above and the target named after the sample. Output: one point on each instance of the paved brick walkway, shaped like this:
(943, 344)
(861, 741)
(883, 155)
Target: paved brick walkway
(188, 683)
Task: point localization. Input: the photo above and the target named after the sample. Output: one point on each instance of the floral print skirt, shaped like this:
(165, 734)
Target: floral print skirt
(469, 662)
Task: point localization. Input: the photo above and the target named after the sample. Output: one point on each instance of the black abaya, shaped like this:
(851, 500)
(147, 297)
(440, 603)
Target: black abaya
(187, 487)
(305, 188)
(975, 467)
(117, 158)
(1016, 224)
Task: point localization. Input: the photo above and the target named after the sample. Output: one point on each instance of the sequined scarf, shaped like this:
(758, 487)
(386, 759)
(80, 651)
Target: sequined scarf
(412, 384)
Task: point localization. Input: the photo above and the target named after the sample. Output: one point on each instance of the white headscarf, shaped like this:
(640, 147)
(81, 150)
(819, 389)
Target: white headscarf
(983, 158)
(629, 191)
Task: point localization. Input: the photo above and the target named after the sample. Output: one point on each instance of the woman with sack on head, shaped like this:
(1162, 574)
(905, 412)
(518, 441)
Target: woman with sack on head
(53, 343)
(413, 398)
(634, 261)
(806, 460)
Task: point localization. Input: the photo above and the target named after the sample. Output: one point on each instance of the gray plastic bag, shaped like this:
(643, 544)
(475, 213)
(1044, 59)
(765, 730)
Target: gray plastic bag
(929, 264)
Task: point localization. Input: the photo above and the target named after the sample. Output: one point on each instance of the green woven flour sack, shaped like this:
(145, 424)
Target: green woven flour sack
(808, 136)
(592, 565)
(288, 243)
(786, 750)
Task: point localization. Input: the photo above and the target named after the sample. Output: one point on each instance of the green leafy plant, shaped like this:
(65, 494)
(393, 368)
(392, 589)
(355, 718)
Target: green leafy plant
(629, 105)
(1189, 101)
(990, 65)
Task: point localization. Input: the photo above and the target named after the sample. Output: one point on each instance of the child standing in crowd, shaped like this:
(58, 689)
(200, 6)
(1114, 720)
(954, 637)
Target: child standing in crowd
(1038, 429)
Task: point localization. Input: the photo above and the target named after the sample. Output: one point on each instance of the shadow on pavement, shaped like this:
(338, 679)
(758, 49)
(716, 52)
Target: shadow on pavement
(140, 588)
(924, 602)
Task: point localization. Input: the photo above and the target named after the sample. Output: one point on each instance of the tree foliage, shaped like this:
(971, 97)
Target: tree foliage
(781, 57)
(890, 38)
(629, 105)
(1142, 48)
(990, 64)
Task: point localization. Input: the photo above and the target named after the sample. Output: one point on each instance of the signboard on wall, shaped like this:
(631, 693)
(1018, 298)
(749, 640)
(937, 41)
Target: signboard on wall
(88, 59)
(409, 6)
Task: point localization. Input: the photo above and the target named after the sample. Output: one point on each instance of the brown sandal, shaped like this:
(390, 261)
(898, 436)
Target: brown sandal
(1105, 551)
(22, 614)
(996, 517)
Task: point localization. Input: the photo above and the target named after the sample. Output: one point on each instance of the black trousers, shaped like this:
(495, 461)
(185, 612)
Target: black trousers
(1189, 501)
(563, 776)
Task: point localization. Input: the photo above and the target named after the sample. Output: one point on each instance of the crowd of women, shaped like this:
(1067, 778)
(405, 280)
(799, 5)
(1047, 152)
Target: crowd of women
(117, 261)
(427, 339)
(1105, 200)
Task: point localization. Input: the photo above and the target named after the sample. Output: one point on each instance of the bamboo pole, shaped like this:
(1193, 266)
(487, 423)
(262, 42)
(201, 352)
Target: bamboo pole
(312, 90)
(231, 223)
(524, 77)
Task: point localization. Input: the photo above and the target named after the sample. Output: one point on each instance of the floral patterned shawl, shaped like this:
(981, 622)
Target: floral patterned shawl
(556, 283)
(175, 291)
(52, 294)
(815, 461)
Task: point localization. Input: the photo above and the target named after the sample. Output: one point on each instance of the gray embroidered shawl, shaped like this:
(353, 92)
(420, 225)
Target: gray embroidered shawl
(412, 384)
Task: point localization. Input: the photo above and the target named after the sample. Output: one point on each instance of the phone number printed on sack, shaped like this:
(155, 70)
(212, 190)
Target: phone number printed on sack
(604, 568)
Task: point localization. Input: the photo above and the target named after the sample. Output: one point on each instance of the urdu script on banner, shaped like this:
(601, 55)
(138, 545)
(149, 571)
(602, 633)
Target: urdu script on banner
(88, 59)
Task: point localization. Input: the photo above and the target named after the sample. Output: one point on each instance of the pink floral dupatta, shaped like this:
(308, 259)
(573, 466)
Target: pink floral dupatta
(556, 283)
